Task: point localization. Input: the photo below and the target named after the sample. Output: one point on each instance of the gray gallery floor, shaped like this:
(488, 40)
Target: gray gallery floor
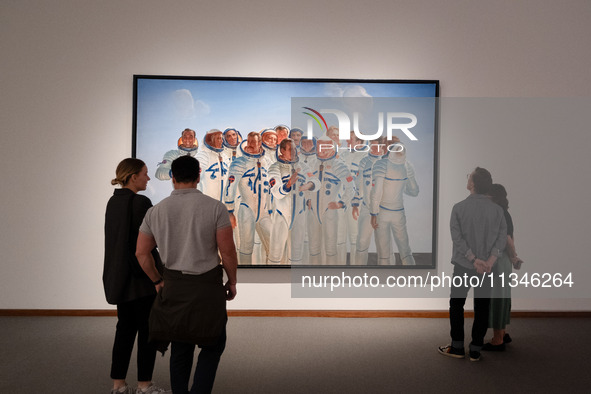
(309, 355)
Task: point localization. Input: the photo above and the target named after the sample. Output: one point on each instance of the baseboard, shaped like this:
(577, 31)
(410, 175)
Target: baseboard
(302, 313)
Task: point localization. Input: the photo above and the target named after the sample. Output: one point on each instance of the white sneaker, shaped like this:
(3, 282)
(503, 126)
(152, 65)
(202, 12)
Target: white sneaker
(152, 389)
(122, 390)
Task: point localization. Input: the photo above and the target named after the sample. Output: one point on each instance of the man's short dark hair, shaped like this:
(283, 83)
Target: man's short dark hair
(185, 169)
(283, 144)
(482, 180)
(193, 131)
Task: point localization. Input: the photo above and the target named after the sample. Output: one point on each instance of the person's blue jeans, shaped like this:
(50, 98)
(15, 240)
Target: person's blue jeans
(181, 363)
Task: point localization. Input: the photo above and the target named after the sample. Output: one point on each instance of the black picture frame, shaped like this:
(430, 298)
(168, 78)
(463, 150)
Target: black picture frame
(163, 106)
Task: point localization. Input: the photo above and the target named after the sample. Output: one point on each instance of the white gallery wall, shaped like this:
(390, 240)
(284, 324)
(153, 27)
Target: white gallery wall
(66, 72)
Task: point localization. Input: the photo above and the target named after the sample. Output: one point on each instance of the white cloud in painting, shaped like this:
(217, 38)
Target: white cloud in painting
(362, 106)
(333, 90)
(201, 108)
(184, 105)
(355, 91)
(187, 107)
(340, 90)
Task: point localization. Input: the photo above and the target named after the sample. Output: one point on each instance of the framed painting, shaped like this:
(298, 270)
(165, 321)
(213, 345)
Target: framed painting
(313, 172)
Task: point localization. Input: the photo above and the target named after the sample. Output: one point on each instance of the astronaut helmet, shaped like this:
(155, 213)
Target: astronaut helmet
(296, 134)
(188, 141)
(333, 133)
(308, 146)
(251, 144)
(287, 152)
(378, 147)
(269, 137)
(231, 138)
(214, 140)
(326, 149)
(282, 132)
(397, 153)
(355, 142)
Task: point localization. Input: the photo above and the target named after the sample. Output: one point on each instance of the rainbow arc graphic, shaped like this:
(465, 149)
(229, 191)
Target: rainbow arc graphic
(315, 117)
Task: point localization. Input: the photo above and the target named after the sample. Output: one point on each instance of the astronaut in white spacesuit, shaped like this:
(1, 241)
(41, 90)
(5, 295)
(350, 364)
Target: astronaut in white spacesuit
(333, 133)
(213, 167)
(360, 203)
(187, 145)
(269, 143)
(248, 177)
(336, 187)
(307, 154)
(347, 224)
(269, 137)
(231, 139)
(282, 133)
(392, 177)
(296, 134)
(289, 180)
(308, 151)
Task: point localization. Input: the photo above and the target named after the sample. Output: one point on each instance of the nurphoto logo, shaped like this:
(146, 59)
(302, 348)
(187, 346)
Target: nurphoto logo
(345, 124)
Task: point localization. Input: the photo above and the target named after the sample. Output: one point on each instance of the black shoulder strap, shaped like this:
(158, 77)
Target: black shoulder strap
(131, 241)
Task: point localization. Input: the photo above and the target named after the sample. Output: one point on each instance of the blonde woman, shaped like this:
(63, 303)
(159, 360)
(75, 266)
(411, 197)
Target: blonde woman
(125, 283)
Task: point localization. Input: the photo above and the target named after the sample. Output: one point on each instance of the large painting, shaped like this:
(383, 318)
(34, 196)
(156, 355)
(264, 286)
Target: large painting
(313, 172)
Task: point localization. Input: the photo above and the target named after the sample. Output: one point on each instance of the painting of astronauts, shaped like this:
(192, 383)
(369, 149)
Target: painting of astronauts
(312, 172)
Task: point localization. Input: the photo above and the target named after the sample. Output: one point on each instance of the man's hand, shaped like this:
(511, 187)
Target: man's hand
(481, 266)
(143, 251)
(374, 222)
(224, 237)
(516, 261)
(293, 179)
(355, 212)
(306, 186)
(159, 286)
(230, 291)
(335, 205)
(232, 219)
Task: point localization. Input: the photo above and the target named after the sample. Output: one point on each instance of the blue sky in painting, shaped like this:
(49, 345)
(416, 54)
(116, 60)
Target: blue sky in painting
(167, 106)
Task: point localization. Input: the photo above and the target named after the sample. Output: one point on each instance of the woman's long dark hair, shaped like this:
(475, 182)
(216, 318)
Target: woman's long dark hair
(498, 194)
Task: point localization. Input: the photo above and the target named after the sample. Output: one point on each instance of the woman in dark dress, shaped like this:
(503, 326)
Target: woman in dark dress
(500, 305)
(125, 283)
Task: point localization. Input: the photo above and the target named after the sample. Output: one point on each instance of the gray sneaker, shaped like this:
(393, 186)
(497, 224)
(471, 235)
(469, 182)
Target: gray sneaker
(122, 390)
(153, 389)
